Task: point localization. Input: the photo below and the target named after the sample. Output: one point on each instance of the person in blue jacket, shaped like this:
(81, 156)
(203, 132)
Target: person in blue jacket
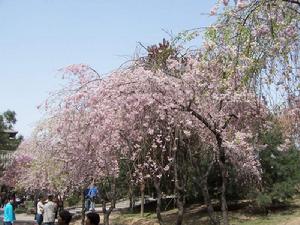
(9, 214)
(93, 192)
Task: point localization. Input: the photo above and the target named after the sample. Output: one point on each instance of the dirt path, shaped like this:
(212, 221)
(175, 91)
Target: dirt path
(21, 221)
(294, 221)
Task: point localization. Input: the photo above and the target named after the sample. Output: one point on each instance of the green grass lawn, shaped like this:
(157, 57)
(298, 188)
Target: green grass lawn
(193, 216)
(277, 218)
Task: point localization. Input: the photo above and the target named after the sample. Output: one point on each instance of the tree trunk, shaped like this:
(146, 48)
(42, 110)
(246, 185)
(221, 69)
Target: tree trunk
(210, 210)
(105, 215)
(203, 185)
(180, 210)
(224, 174)
(142, 198)
(223, 194)
(82, 207)
(179, 194)
(131, 197)
(106, 219)
(158, 200)
(112, 197)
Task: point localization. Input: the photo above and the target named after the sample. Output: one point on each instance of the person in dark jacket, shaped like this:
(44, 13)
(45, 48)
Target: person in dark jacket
(92, 218)
(64, 217)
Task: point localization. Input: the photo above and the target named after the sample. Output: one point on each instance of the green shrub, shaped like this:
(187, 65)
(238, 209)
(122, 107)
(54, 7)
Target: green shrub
(20, 210)
(73, 200)
(280, 171)
(263, 200)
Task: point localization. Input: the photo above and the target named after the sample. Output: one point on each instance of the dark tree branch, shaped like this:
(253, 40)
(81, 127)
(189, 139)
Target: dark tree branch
(231, 116)
(203, 120)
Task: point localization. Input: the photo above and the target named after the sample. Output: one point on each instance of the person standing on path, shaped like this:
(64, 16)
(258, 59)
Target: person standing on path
(49, 211)
(40, 210)
(92, 195)
(9, 214)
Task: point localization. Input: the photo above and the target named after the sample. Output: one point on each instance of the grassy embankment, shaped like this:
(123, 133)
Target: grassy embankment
(196, 216)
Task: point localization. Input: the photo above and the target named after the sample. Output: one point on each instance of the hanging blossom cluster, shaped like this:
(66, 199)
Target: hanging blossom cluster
(260, 43)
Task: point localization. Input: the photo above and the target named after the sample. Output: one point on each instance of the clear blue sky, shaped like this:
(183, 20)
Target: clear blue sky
(38, 37)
